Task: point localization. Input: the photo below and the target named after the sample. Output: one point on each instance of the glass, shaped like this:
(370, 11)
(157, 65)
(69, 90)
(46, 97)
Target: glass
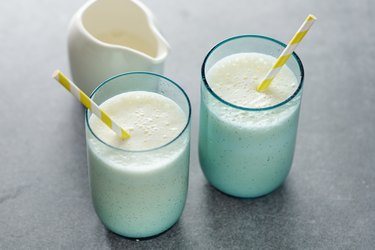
(247, 152)
(139, 193)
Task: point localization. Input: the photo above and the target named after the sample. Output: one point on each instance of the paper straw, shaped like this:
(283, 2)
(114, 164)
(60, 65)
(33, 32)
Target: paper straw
(287, 52)
(90, 104)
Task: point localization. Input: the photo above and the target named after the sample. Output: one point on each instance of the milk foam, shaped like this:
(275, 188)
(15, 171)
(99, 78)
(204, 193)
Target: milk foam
(151, 119)
(235, 78)
(247, 153)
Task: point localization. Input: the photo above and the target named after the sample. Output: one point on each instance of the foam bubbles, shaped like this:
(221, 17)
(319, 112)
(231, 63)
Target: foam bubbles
(235, 78)
(146, 115)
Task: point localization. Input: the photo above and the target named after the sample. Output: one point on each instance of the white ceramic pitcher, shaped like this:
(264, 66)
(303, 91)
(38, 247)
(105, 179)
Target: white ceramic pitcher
(108, 37)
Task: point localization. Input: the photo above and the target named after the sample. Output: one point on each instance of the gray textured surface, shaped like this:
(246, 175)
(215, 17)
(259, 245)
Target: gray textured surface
(328, 200)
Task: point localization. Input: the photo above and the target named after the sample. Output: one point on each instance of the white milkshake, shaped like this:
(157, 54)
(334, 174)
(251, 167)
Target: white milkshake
(139, 186)
(152, 120)
(235, 78)
(247, 153)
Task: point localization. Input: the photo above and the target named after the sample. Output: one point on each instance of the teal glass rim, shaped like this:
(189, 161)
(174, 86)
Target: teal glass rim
(87, 112)
(206, 84)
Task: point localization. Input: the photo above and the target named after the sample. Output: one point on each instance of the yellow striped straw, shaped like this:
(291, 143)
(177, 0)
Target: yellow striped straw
(287, 52)
(89, 104)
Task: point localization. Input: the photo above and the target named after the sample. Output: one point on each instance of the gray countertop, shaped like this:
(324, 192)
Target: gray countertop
(328, 200)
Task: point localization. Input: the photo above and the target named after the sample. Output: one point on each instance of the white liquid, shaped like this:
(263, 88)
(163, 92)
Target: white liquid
(139, 194)
(130, 41)
(242, 152)
(151, 119)
(235, 78)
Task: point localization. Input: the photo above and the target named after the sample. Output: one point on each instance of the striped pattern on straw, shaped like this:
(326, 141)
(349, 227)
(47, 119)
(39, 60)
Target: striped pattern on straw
(287, 52)
(89, 104)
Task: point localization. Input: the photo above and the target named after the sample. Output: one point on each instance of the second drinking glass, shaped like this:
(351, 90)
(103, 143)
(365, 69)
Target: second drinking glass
(139, 186)
(246, 144)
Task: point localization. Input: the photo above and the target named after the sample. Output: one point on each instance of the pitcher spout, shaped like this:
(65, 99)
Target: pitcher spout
(163, 46)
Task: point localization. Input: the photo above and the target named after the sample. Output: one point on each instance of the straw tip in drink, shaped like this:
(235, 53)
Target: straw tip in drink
(260, 88)
(124, 135)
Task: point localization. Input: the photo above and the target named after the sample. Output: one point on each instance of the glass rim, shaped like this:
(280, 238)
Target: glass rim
(292, 96)
(87, 112)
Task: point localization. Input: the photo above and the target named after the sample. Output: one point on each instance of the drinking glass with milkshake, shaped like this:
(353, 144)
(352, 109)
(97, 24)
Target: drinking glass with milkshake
(139, 185)
(247, 129)
(138, 148)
